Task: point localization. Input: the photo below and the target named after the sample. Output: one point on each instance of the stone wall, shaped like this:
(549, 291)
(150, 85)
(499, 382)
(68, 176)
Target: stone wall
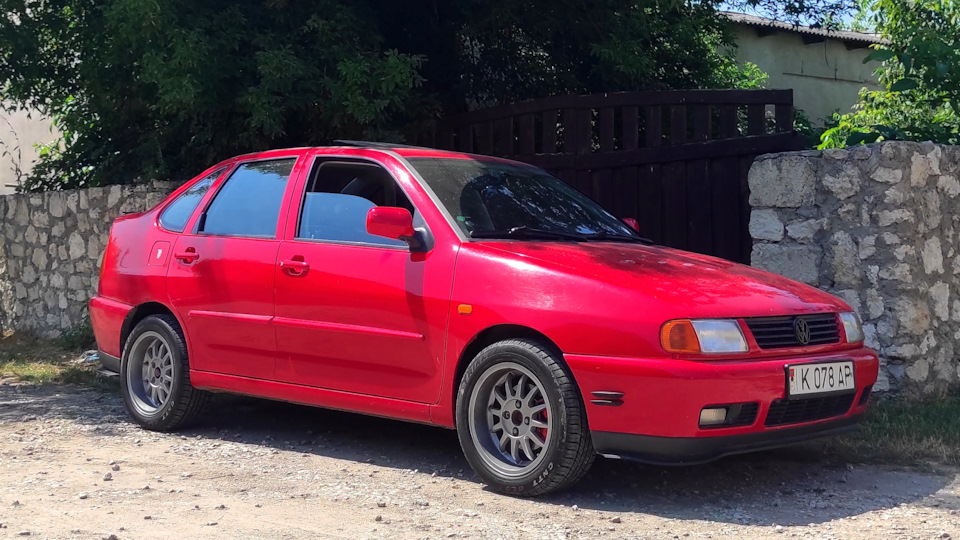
(878, 226)
(51, 246)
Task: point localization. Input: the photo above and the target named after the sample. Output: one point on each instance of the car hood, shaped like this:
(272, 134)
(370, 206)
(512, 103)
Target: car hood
(702, 286)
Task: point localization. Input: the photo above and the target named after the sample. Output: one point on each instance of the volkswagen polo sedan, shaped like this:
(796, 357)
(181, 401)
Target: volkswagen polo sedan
(471, 293)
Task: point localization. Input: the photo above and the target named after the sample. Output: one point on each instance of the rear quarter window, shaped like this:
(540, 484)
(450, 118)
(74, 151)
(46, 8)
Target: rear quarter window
(174, 217)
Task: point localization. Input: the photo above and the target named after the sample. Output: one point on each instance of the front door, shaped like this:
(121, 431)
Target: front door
(357, 312)
(221, 279)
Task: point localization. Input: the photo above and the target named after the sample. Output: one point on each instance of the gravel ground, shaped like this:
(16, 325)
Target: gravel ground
(73, 466)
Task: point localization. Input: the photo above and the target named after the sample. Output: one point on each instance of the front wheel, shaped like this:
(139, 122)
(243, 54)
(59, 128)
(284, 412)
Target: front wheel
(521, 421)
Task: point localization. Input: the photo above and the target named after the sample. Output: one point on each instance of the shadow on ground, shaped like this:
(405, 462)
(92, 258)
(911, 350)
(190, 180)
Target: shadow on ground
(793, 486)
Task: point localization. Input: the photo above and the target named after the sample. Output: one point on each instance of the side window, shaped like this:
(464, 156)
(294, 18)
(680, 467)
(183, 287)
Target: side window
(175, 217)
(249, 202)
(337, 198)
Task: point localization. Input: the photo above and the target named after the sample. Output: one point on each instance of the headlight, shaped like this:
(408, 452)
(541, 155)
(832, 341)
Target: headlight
(852, 327)
(707, 336)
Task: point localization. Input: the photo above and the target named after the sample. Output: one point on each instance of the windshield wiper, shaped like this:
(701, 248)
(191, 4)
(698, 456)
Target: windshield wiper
(613, 237)
(528, 232)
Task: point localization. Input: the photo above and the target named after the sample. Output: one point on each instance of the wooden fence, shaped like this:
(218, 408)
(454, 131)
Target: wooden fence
(676, 161)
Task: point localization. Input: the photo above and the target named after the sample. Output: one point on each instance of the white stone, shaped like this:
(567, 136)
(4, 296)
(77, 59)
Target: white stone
(844, 185)
(803, 231)
(798, 262)
(28, 275)
(932, 256)
(949, 185)
(940, 295)
(929, 342)
(901, 252)
(39, 258)
(930, 209)
(874, 304)
(888, 217)
(113, 197)
(921, 168)
(766, 225)
(914, 316)
(76, 245)
(919, 370)
(894, 196)
(887, 176)
(31, 235)
(788, 182)
(906, 351)
(56, 204)
(870, 336)
(846, 261)
(867, 246)
(890, 238)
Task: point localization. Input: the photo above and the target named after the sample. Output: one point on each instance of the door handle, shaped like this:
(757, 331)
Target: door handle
(188, 256)
(294, 267)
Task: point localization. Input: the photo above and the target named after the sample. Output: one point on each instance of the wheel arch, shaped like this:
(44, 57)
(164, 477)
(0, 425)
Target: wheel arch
(140, 313)
(488, 337)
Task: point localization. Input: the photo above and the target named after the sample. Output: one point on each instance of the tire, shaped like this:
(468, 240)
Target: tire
(500, 434)
(155, 376)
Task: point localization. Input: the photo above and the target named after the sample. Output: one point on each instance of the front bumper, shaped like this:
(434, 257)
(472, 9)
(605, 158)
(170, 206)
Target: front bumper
(695, 450)
(654, 412)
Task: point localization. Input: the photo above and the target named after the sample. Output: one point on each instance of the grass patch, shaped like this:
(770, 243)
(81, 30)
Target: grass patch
(904, 432)
(79, 338)
(37, 361)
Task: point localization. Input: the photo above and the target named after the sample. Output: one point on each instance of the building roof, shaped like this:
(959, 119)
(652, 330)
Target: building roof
(847, 36)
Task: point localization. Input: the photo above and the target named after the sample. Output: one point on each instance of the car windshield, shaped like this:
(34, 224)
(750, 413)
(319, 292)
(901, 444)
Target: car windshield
(491, 199)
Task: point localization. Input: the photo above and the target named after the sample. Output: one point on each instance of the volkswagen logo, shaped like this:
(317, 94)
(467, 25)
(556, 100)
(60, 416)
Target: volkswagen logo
(802, 331)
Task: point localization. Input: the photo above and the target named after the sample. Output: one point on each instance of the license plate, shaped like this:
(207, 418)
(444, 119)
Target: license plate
(806, 379)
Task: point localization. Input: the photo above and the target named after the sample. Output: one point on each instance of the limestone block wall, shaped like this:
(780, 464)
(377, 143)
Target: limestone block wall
(878, 226)
(51, 245)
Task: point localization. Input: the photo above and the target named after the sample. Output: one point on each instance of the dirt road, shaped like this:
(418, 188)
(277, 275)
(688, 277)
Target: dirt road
(72, 466)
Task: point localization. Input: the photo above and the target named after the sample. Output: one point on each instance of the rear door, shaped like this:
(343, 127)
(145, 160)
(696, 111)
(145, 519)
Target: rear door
(221, 278)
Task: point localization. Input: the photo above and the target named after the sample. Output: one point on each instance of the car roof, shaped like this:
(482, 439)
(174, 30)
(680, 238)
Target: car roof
(402, 150)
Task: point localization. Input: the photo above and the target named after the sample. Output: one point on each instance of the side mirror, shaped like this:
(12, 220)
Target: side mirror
(390, 222)
(633, 223)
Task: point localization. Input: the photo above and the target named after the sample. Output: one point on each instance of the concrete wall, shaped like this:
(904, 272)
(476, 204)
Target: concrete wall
(51, 246)
(824, 76)
(879, 226)
(21, 129)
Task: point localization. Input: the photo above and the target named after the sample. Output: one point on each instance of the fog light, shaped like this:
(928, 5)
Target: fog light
(713, 416)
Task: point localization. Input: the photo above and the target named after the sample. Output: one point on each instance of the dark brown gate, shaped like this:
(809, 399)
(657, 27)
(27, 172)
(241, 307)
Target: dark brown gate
(677, 161)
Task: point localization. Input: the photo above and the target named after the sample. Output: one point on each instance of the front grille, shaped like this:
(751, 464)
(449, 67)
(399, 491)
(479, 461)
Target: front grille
(795, 411)
(780, 332)
(746, 416)
(865, 396)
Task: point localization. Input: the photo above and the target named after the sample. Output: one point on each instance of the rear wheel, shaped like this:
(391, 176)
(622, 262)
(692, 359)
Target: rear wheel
(521, 421)
(155, 376)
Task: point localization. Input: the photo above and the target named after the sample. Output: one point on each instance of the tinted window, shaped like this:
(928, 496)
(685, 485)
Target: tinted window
(175, 217)
(338, 196)
(248, 204)
(489, 198)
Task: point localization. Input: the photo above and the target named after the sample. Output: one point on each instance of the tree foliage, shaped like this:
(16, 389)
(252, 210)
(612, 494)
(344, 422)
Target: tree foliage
(141, 89)
(920, 73)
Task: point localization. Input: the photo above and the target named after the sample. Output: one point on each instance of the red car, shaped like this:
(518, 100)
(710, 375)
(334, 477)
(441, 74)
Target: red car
(467, 292)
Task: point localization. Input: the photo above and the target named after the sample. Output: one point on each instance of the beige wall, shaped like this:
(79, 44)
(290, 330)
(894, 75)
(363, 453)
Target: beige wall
(23, 130)
(824, 76)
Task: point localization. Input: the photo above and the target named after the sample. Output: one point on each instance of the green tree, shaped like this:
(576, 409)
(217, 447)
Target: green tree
(920, 73)
(142, 89)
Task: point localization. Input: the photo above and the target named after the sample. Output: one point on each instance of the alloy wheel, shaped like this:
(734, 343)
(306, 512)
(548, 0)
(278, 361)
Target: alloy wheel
(509, 419)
